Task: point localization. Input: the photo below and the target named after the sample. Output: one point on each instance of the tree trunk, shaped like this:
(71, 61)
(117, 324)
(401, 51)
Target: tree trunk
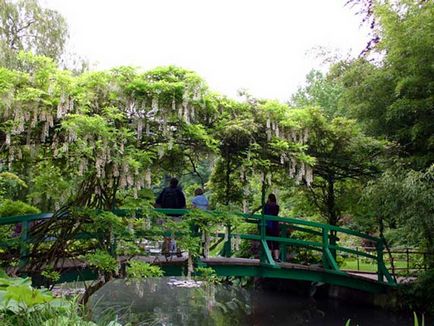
(189, 265)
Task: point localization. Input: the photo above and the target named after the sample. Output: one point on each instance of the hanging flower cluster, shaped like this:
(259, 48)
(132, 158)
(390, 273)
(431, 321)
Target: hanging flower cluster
(297, 169)
(97, 123)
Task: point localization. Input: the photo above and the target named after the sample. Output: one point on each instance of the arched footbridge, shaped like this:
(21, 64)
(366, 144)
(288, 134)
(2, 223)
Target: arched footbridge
(317, 239)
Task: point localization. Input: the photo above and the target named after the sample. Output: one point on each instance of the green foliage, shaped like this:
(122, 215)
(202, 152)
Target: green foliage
(247, 247)
(416, 320)
(25, 25)
(20, 304)
(16, 208)
(419, 295)
(394, 99)
(138, 269)
(208, 274)
(404, 198)
(50, 189)
(208, 221)
(344, 158)
(17, 294)
(102, 261)
(10, 185)
(320, 91)
(51, 276)
(106, 222)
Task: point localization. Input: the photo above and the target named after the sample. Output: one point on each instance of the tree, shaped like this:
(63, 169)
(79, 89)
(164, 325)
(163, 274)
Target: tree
(403, 199)
(394, 98)
(99, 132)
(321, 91)
(343, 156)
(26, 26)
(258, 139)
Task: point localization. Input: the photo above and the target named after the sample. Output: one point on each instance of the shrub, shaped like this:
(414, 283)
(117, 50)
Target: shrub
(102, 261)
(22, 305)
(15, 207)
(208, 274)
(139, 269)
(419, 296)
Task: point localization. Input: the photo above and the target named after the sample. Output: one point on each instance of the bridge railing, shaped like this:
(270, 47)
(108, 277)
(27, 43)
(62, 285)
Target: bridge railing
(23, 236)
(326, 243)
(325, 238)
(406, 261)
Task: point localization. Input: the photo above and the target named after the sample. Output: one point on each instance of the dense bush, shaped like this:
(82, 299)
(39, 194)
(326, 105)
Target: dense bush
(419, 296)
(16, 207)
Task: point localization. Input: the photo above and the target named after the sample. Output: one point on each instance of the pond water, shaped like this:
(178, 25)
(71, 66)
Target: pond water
(178, 301)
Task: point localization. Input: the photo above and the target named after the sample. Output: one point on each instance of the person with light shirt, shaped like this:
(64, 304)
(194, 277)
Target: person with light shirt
(199, 200)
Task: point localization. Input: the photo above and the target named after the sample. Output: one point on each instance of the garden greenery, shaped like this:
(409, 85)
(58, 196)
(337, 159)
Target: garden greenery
(354, 146)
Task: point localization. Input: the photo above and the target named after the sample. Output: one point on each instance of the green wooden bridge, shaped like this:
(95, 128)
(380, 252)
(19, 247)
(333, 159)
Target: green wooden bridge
(317, 237)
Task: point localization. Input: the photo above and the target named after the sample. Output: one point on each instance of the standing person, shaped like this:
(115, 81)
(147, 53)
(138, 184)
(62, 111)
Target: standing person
(171, 197)
(272, 229)
(199, 200)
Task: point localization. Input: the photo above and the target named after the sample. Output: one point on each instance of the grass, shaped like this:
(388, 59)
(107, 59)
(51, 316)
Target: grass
(370, 266)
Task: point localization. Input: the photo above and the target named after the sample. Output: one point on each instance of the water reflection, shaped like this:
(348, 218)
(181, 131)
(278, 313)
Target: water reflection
(170, 301)
(177, 301)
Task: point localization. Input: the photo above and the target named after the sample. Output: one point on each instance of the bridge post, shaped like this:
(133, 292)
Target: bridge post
(24, 245)
(283, 248)
(262, 232)
(333, 241)
(325, 246)
(380, 262)
(227, 246)
(328, 260)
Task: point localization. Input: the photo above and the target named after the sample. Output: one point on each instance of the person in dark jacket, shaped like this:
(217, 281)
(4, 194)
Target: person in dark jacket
(272, 229)
(171, 197)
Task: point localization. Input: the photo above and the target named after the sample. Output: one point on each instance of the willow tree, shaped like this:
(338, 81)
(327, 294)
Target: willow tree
(405, 200)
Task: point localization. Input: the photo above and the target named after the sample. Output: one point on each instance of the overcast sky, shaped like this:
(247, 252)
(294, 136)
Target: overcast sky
(260, 45)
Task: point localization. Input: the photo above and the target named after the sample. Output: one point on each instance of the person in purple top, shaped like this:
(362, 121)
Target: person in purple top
(272, 228)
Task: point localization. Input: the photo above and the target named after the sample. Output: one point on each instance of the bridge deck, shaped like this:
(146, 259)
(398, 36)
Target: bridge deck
(221, 261)
(232, 266)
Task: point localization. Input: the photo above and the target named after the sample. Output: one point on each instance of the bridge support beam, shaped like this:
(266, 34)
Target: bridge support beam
(329, 277)
(328, 260)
